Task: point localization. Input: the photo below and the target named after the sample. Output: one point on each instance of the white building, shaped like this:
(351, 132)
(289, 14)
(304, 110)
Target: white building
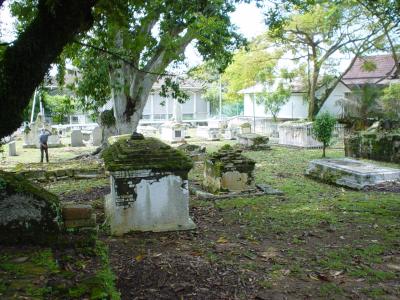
(296, 107)
(159, 109)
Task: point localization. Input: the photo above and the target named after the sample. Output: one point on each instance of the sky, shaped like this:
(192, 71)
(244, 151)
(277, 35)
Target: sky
(248, 18)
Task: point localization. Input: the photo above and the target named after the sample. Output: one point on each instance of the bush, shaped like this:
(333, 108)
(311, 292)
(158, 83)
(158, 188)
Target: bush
(107, 118)
(391, 101)
(323, 127)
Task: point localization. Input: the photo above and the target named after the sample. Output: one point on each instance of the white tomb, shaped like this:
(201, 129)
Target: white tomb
(351, 173)
(174, 131)
(298, 134)
(210, 134)
(149, 186)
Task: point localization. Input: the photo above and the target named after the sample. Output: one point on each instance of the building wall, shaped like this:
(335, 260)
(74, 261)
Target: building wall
(333, 104)
(296, 107)
(194, 108)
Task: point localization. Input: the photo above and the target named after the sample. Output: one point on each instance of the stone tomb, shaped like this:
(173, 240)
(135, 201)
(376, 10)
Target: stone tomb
(253, 141)
(245, 128)
(208, 133)
(149, 186)
(195, 152)
(228, 170)
(351, 173)
(173, 132)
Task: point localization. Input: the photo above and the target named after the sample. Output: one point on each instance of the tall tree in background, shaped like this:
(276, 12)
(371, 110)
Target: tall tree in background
(250, 65)
(321, 31)
(125, 55)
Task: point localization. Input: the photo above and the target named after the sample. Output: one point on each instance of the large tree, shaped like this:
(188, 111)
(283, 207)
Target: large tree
(24, 62)
(322, 30)
(123, 57)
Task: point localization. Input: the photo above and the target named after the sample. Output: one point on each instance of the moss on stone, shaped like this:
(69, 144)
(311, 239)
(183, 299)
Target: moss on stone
(377, 145)
(28, 214)
(145, 154)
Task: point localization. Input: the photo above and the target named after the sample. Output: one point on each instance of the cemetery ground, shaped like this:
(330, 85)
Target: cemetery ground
(317, 241)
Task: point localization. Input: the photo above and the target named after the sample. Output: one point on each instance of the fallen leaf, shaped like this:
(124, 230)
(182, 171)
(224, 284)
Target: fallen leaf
(20, 259)
(336, 273)
(222, 240)
(269, 253)
(139, 258)
(285, 272)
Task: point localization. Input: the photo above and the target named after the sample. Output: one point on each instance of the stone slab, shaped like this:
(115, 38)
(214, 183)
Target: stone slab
(81, 223)
(351, 173)
(77, 211)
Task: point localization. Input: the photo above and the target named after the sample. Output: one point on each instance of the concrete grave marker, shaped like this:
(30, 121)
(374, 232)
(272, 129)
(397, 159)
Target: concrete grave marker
(97, 136)
(77, 138)
(227, 169)
(12, 150)
(149, 186)
(351, 173)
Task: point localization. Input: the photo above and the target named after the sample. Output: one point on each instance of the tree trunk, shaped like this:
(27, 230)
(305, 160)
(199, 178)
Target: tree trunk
(312, 104)
(323, 150)
(25, 63)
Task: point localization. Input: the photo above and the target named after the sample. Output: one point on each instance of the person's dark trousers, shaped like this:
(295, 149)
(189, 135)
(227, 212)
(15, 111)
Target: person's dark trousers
(44, 149)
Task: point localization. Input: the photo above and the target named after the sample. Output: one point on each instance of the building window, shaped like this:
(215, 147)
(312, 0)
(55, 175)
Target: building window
(187, 116)
(159, 116)
(75, 119)
(146, 117)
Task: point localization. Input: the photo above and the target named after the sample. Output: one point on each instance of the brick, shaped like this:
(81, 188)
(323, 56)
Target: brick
(77, 212)
(90, 222)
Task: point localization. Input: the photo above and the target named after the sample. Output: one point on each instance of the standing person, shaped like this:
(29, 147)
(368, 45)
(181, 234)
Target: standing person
(43, 137)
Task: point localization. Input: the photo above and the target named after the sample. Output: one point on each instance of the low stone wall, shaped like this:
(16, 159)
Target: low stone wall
(380, 145)
(56, 171)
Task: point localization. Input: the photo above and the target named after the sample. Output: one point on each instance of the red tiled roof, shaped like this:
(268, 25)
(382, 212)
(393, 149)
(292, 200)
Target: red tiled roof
(358, 75)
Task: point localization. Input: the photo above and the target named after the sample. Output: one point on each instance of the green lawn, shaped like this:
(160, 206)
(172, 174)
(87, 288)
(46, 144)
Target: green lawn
(316, 241)
(338, 238)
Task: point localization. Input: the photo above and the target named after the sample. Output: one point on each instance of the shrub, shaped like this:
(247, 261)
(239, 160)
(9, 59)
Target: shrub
(391, 101)
(107, 118)
(323, 129)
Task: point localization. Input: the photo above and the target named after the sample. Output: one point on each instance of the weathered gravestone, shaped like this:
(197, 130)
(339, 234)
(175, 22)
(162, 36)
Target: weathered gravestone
(173, 132)
(228, 170)
(77, 138)
(253, 141)
(208, 133)
(195, 152)
(28, 213)
(149, 186)
(245, 128)
(351, 173)
(12, 150)
(31, 134)
(97, 136)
